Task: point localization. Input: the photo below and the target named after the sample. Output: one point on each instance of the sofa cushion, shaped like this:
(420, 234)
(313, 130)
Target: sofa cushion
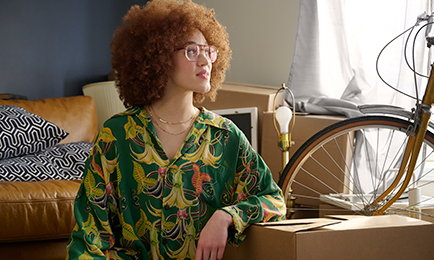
(60, 162)
(22, 132)
(37, 210)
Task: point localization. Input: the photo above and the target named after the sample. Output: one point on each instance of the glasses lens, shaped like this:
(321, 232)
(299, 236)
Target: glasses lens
(212, 53)
(192, 51)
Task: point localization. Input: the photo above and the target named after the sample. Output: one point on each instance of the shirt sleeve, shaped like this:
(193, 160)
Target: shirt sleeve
(92, 235)
(256, 196)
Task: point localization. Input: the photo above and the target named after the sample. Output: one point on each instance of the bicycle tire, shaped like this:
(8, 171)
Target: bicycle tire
(343, 188)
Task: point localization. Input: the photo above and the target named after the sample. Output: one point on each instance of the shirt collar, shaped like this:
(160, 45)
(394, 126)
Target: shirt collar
(212, 119)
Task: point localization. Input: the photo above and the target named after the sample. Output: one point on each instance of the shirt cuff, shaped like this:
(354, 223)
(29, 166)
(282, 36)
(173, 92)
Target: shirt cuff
(235, 232)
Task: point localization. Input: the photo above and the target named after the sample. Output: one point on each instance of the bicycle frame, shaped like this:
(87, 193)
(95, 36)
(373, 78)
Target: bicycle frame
(413, 147)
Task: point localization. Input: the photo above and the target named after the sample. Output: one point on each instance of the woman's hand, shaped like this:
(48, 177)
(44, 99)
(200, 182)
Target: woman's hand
(213, 237)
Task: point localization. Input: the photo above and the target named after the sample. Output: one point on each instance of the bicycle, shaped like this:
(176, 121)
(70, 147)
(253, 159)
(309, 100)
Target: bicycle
(376, 164)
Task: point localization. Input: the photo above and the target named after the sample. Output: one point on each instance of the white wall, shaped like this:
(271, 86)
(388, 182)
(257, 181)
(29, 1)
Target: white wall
(262, 37)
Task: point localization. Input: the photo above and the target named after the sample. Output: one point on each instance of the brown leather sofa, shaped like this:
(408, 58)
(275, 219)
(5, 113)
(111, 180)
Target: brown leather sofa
(36, 218)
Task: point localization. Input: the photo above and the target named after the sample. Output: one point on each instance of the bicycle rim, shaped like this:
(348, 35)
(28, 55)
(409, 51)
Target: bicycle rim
(343, 168)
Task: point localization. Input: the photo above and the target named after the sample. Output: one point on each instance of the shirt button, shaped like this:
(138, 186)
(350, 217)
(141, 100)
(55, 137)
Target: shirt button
(166, 207)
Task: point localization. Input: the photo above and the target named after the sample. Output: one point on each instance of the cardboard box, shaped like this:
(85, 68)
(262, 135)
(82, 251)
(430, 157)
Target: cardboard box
(365, 238)
(305, 127)
(238, 95)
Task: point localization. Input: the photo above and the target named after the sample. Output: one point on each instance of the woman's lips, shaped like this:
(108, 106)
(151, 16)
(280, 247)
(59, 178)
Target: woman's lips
(203, 74)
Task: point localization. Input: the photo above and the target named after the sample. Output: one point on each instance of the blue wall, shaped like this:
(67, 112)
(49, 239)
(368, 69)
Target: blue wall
(51, 48)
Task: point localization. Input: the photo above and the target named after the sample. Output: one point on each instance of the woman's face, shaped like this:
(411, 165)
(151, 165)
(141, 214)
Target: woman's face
(191, 76)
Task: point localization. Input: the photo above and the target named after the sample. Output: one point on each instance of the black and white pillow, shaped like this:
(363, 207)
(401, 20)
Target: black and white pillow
(22, 132)
(60, 162)
(70, 159)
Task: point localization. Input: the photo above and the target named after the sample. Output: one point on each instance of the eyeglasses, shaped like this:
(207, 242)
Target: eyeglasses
(192, 52)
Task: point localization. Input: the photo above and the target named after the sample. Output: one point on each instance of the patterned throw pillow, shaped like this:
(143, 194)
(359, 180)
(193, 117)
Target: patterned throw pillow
(60, 162)
(70, 158)
(22, 132)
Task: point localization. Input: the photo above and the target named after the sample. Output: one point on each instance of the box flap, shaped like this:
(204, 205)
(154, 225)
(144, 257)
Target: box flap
(366, 222)
(297, 225)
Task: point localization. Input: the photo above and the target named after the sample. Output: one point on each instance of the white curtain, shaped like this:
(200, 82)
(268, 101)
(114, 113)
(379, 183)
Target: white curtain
(334, 64)
(337, 45)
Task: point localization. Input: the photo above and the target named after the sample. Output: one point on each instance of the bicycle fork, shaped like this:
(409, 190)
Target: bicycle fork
(412, 149)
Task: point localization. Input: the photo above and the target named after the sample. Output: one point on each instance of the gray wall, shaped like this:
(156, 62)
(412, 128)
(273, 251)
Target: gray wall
(51, 48)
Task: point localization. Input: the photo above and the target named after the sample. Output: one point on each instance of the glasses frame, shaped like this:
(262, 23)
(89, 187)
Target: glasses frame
(202, 49)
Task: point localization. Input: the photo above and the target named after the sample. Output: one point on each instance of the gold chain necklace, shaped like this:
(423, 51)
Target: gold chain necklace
(175, 134)
(170, 123)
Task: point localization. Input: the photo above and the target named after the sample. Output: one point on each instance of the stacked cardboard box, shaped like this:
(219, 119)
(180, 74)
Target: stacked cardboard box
(344, 237)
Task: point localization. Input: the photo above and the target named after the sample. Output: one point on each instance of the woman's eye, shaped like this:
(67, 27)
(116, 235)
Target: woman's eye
(192, 51)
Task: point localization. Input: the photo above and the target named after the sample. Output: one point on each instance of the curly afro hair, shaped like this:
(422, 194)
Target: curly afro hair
(143, 46)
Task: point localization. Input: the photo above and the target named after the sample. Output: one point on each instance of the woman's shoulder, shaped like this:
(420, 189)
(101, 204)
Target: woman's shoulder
(123, 117)
(129, 112)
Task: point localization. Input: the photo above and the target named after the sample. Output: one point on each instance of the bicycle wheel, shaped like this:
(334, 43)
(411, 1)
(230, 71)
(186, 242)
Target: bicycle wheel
(343, 168)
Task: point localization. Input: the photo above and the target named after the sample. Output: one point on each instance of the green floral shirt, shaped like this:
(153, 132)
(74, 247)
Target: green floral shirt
(135, 203)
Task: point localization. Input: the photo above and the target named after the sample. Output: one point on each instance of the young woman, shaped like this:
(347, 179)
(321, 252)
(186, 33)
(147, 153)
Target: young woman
(167, 180)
